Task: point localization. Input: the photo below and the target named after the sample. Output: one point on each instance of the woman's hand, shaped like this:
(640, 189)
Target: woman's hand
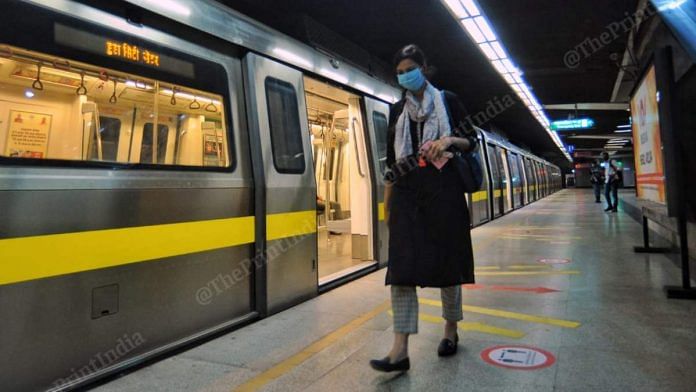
(437, 148)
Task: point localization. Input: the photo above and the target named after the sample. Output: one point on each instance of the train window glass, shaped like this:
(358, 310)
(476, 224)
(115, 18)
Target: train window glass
(148, 154)
(110, 131)
(516, 179)
(286, 133)
(381, 130)
(60, 109)
(494, 166)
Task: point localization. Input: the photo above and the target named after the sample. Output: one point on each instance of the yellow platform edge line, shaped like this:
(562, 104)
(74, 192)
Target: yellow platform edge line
(380, 212)
(289, 364)
(487, 268)
(507, 314)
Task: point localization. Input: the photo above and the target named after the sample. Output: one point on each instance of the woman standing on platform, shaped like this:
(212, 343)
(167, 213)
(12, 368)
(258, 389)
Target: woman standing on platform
(427, 214)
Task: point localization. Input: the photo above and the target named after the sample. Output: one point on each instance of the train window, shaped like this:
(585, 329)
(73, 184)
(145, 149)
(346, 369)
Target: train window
(60, 109)
(381, 130)
(110, 131)
(148, 154)
(286, 133)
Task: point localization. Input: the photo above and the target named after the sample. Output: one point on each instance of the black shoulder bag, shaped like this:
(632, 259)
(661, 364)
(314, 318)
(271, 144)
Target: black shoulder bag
(468, 164)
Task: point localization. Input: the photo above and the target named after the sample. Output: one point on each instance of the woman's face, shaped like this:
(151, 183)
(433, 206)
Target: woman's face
(406, 65)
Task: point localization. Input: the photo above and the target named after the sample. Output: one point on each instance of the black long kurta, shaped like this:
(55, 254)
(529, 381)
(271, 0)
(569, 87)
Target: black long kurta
(429, 223)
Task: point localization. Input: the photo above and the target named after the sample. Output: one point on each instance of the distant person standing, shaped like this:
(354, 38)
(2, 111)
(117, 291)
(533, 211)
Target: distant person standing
(597, 181)
(611, 183)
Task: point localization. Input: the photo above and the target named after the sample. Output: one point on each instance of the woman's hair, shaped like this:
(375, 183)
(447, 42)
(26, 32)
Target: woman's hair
(414, 53)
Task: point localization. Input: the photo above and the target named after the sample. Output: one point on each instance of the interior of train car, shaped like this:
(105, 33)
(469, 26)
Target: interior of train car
(344, 217)
(80, 112)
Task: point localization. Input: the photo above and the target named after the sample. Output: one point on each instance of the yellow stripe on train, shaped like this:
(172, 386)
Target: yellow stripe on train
(36, 257)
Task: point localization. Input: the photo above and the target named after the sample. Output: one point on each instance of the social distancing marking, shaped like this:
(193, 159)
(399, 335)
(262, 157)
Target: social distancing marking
(507, 314)
(474, 326)
(518, 357)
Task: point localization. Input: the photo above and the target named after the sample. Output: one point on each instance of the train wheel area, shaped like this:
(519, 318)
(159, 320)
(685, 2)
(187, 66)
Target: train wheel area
(561, 303)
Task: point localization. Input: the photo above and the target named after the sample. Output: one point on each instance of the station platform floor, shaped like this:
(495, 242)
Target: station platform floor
(599, 322)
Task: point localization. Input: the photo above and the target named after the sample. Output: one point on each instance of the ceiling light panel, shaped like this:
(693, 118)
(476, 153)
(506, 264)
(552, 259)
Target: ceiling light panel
(480, 30)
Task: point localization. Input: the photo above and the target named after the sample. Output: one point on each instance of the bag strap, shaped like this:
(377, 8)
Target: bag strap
(449, 113)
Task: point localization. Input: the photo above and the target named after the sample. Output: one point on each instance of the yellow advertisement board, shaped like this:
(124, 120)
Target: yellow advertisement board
(650, 174)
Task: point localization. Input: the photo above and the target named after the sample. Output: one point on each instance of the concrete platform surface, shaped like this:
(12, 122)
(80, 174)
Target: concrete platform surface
(598, 322)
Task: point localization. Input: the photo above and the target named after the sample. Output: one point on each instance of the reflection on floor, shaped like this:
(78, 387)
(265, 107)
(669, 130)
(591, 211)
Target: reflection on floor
(335, 253)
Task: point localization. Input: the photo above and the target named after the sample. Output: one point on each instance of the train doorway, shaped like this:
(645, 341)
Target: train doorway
(345, 232)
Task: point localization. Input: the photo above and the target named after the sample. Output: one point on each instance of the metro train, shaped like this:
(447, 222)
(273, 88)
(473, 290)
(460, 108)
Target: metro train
(173, 169)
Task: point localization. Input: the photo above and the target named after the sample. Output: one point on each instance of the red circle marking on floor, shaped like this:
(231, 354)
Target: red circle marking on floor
(518, 357)
(554, 261)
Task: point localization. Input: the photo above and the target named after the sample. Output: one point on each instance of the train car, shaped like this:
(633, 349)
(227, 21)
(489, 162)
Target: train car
(172, 172)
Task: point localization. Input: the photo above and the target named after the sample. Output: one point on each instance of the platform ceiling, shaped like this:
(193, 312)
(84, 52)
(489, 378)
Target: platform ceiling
(536, 33)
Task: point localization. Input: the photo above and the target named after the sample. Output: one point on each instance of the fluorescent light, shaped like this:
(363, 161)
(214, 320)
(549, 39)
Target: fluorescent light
(499, 49)
(481, 31)
(488, 51)
(510, 66)
(29, 93)
(292, 57)
(457, 8)
(333, 75)
(169, 5)
(473, 30)
(486, 29)
(624, 126)
(623, 131)
(471, 7)
(499, 66)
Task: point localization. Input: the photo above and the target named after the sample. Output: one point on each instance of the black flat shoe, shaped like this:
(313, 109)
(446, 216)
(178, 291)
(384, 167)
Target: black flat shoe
(448, 347)
(383, 365)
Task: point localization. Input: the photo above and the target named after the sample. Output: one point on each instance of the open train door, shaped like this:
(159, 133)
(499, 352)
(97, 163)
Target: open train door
(377, 116)
(286, 213)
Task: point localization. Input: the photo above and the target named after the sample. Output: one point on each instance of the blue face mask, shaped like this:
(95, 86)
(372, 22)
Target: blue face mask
(412, 80)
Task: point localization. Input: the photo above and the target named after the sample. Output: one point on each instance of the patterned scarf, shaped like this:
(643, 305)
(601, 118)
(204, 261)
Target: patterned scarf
(430, 112)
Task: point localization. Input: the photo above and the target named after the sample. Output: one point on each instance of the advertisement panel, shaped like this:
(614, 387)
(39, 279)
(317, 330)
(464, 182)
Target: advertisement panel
(646, 139)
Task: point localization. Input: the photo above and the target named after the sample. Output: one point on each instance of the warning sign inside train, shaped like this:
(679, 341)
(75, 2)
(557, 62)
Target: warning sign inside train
(518, 357)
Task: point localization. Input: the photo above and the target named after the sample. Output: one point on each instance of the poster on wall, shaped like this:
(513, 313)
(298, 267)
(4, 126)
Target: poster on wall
(28, 133)
(213, 152)
(646, 139)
